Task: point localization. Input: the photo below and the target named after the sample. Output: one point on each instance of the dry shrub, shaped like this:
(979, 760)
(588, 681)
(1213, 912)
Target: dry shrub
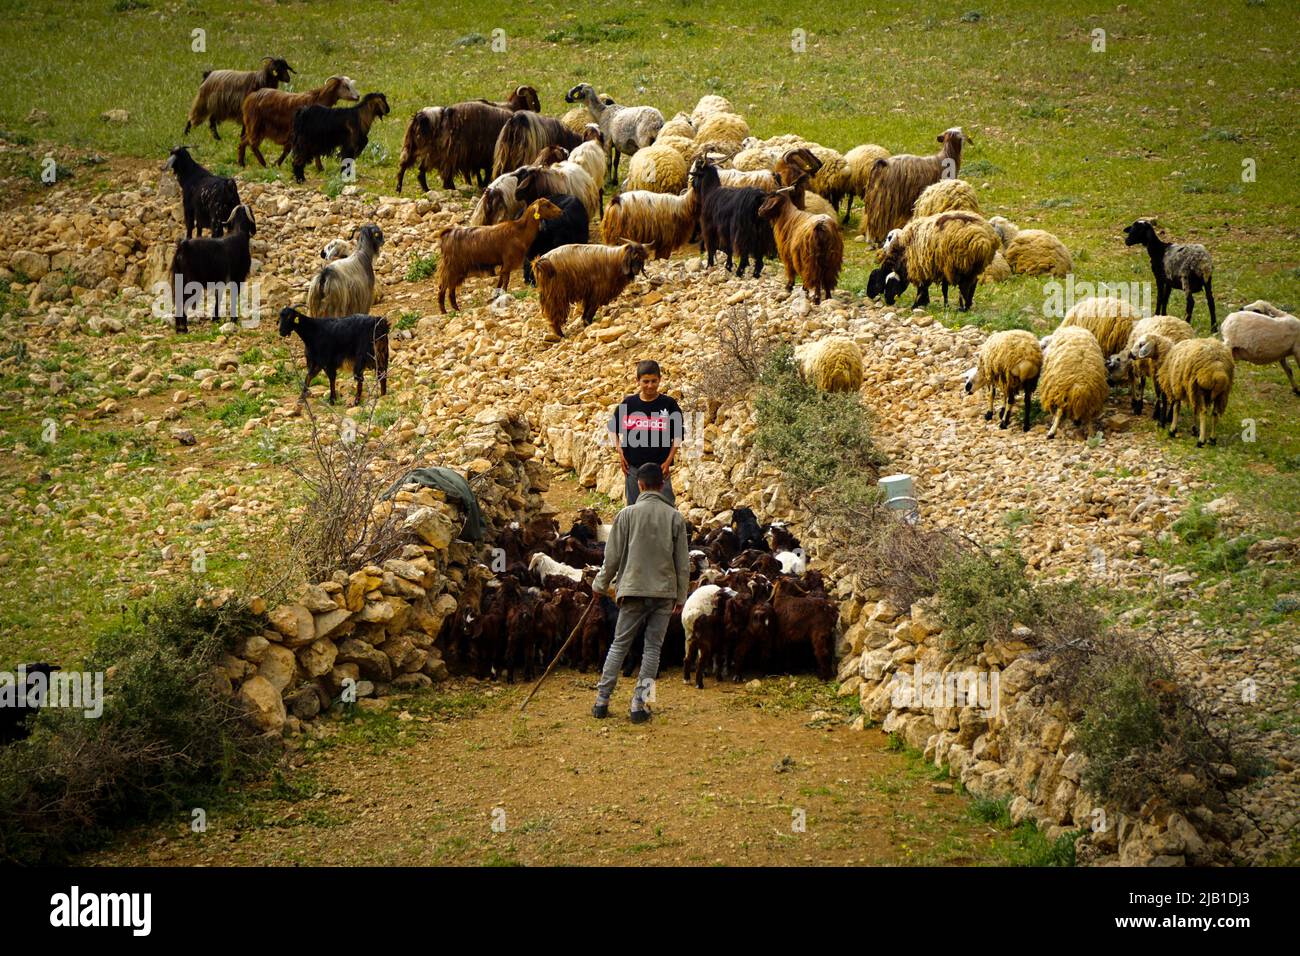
(742, 350)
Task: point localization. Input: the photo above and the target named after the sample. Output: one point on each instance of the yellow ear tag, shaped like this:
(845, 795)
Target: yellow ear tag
(537, 215)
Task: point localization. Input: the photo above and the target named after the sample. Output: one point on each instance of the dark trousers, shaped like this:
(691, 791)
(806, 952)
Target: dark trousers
(632, 491)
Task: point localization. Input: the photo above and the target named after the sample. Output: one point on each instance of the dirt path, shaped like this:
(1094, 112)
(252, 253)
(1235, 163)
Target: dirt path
(717, 777)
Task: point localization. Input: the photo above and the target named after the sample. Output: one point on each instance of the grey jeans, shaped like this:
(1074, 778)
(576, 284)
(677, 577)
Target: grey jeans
(654, 613)
(632, 491)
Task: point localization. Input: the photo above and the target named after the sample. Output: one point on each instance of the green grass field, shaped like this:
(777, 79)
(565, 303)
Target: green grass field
(1066, 136)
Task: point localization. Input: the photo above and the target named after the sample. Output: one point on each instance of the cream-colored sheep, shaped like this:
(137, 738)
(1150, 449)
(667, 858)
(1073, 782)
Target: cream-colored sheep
(723, 128)
(997, 271)
(945, 196)
(1010, 361)
(859, 161)
(1198, 372)
(679, 125)
(707, 106)
(657, 168)
(1073, 381)
(1032, 252)
(952, 248)
(685, 147)
(1262, 334)
(832, 364)
(1110, 320)
(1126, 366)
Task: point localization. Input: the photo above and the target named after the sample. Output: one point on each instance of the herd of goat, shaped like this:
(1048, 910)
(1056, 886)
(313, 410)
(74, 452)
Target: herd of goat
(698, 177)
(754, 605)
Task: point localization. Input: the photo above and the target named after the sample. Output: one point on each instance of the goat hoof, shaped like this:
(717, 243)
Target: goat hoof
(988, 416)
(1003, 424)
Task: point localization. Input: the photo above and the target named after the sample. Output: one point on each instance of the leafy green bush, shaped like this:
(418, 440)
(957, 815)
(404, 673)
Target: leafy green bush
(421, 268)
(166, 740)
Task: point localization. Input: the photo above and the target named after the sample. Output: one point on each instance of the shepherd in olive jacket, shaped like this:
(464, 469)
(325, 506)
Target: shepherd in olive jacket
(647, 560)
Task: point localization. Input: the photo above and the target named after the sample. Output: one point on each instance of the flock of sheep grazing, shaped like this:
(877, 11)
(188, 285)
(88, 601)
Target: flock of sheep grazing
(703, 178)
(754, 606)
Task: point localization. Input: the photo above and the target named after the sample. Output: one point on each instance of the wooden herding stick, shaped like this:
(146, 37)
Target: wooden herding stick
(595, 599)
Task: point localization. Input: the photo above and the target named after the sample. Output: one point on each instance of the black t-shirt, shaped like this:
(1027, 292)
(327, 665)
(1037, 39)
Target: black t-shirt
(647, 430)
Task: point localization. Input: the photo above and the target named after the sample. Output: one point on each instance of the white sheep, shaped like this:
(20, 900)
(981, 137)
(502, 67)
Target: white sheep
(1127, 366)
(792, 562)
(543, 566)
(626, 128)
(1198, 372)
(1010, 361)
(1262, 334)
(1109, 319)
(347, 286)
(832, 363)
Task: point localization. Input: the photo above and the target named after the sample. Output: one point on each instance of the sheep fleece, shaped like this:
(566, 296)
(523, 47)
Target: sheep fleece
(1074, 375)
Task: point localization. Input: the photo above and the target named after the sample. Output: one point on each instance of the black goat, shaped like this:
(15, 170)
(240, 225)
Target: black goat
(355, 342)
(207, 199)
(749, 533)
(322, 130)
(729, 220)
(213, 263)
(14, 718)
(573, 226)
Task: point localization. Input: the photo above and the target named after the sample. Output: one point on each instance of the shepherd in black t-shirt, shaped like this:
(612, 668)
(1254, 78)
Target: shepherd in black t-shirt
(648, 427)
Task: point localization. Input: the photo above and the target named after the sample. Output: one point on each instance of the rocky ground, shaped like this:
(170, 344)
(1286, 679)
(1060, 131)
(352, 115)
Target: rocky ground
(167, 446)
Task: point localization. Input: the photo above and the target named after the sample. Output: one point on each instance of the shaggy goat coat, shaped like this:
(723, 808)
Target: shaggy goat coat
(456, 140)
(1072, 383)
(1197, 372)
(810, 246)
(476, 250)
(1110, 320)
(524, 135)
(832, 364)
(896, 182)
(221, 94)
(665, 222)
(268, 114)
(592, 275)
(347, 286)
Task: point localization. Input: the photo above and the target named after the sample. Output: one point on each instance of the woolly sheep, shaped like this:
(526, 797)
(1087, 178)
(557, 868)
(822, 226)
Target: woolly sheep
(996, 271)
(723, 127)
(1198, 372)
(1032, 252)
(945, 196)
(859, 161)
(831, 177)
(1175, 266)
(707, 106)
(680, 125)
(685, 148)
(626, 128)
(1109, 319)
(1010, 361)
(952, 248)
(657, 168)
(1262, 334)
(578, 117)
(1073, 380)
(1127, 366)
(832, 364)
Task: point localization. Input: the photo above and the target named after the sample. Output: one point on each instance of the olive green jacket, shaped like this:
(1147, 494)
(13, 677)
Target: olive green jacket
(648, 553)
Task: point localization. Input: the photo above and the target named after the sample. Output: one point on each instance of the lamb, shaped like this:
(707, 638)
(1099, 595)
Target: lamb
(593, 275)
(542, 567)
(792, 562)
(1073, 380)
(524, 135)
(1109, 319)
(572, 227)
(729, 220)
(780, 538)
(218, 263)
(268, 114)
(656, 168)
(947, 195)
(832, 363)
(221, 94)
(952, 248)
(1198, 372)
(550, 156)
(1126, 365)
(702, 620)
(656, 219)
(807, 619)
(1175, 266)
(470, 250)
(206, 199)
(810, 246)
(1147, 353)
(336, 249)
(626, 128)
(999, 270)
(356, 342)
(347, 286)
(456, 140)
(859, 162)
(321, 130)
(1032, 252)
(1010, 361)
(1262, 334)
(896, 182)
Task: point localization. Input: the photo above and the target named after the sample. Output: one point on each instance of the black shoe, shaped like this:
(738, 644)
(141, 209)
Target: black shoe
(600, 711)
(640, 716)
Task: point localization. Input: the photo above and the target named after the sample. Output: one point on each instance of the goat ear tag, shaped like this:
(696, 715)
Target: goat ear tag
(537, 215)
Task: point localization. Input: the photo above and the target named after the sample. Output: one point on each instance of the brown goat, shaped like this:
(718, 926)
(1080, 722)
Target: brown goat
(221, 94)
(268, 114)
(591, 274)
(522, 98)
(455, 140)
(810, 246)
(807, 619)
(524, 135)
(475, 250)
(895, 183)
(550, 156)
